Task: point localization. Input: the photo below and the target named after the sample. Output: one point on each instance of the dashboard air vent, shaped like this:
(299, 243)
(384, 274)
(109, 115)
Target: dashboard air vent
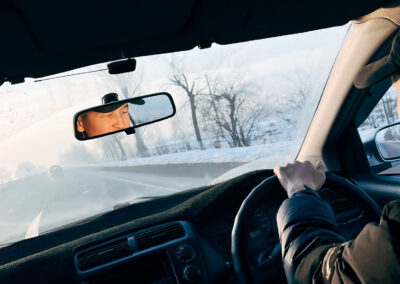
(103, 254)
(159, 236)
(338, 202)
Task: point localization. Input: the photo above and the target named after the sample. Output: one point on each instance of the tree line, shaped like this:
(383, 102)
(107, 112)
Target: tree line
(385, 112)
(224, 111)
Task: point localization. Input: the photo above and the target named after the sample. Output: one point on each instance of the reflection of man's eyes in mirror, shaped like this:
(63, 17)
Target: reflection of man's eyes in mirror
(106, 115)
(125, 109)
(122, 110)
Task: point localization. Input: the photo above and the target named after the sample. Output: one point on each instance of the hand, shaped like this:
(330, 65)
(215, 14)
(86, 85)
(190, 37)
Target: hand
(293, 177)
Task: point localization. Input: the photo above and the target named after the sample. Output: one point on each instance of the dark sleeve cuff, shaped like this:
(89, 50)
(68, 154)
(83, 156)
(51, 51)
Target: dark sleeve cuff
(306, 190)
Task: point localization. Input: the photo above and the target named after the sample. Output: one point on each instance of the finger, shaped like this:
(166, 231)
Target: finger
(277, 171)
(298, 164)
(307, 163)
(320, 166)
(321, 183)
(288, 170)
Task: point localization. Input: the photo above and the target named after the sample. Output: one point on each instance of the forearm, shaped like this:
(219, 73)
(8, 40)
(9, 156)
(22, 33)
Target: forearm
(305, 223)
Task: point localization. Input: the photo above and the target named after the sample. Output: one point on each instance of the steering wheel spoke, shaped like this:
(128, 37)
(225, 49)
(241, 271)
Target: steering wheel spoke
(270, 270)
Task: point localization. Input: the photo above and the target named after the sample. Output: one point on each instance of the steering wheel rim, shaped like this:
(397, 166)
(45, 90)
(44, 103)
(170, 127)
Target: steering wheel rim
(240, 231)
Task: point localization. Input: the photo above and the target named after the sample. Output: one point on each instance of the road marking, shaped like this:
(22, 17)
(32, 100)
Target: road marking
(33, 230)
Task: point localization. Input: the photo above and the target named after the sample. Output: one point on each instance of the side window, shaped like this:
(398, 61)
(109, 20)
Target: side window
(380, 134)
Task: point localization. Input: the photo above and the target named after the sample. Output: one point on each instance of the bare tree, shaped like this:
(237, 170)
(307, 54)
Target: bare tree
(5, 176)
(302, 87)
(215, 128)
(113, 148)
(389, 108)
(76, 154)
(385, 112)
(298, 89)
(230, 112)
(177, 123)
(25, 169)
(192, 91)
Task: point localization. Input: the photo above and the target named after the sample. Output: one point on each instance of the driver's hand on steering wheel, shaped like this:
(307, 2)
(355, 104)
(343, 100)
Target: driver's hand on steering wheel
(294, 177)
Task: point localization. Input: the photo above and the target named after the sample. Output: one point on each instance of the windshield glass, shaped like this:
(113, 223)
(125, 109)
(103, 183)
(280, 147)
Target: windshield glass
(240, 107)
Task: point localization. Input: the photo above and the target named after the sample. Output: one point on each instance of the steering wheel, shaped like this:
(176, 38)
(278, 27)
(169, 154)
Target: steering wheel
(240, 232)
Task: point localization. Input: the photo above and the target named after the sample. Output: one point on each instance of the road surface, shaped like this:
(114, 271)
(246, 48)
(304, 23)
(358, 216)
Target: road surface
(85, 191)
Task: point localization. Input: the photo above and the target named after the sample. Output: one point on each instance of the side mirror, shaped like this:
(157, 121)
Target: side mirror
(125, 115)
(387, 141)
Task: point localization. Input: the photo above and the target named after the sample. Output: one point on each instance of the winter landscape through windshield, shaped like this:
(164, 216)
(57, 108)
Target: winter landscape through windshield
(240, 108)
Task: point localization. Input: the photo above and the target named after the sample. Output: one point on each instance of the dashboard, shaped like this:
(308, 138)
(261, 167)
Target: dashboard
(189, 252)
(167, 253)
(181, 238)
(263, 231)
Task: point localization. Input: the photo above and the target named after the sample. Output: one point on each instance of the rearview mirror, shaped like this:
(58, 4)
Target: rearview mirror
(387, 141)
(125, 115)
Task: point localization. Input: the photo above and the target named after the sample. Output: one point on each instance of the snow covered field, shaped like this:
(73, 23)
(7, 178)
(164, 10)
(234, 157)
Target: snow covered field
(223, 155)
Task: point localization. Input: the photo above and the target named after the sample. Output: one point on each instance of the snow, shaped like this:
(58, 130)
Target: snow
(225, 155)
(260, 164)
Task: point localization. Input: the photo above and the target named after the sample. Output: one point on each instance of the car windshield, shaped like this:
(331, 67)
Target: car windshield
(240, 107)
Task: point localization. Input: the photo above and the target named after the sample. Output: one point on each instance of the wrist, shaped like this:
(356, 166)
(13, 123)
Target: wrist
(306, 191)
(294, 190)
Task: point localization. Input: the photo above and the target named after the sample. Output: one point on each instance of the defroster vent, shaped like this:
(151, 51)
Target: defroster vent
(103, 254)
(159, 235)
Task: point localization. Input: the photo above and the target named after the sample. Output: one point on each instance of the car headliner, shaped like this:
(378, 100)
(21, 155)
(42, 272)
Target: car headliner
(45, 37)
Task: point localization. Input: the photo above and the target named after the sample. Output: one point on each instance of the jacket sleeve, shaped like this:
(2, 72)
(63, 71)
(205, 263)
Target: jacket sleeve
(306, 224)
(372, 257)
(314, 252)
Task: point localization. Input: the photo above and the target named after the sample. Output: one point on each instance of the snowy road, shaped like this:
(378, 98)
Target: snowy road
(85, 191)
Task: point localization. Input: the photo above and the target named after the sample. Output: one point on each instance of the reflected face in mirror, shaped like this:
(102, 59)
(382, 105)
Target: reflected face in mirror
(94, 123)
(125, 115)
